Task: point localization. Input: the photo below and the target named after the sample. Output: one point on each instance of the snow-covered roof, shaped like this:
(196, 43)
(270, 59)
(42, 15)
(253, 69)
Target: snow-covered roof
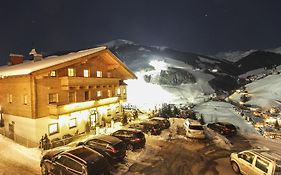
(28, 67)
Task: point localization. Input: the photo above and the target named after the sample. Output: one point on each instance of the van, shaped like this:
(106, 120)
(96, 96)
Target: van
(256, 162)
(194, 129)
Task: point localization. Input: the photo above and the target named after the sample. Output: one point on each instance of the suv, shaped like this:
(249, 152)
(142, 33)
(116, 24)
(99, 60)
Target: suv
(80, 161)
(110, 147)
(133, 138)
(149, 127)
(164, 123)
(257, 162)
(194, 129)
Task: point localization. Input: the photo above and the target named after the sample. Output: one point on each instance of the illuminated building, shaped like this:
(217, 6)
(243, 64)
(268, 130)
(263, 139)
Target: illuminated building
(61, 95)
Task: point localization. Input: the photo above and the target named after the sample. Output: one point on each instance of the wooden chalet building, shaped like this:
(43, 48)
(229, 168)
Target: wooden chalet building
(60, 95)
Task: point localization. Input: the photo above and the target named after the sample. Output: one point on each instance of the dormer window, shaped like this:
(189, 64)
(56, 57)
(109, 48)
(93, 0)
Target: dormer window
(99, 74)
(118, 91)
(53, 73)
(99, 94)
(71, 72)
(86, 73)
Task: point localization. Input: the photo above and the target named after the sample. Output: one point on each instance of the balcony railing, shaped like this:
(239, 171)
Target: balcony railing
(56, 109)
(86, 81)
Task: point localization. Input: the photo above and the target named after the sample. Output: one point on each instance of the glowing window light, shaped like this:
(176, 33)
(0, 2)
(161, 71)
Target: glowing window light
(118, 91)
(53, 73)
(99, 74)
(71, 72)
(25, 99)
(99, 94)
(86, 73)
(53, 128)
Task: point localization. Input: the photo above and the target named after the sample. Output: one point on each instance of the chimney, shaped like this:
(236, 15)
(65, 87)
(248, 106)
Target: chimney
(35, 56)
(15, 59)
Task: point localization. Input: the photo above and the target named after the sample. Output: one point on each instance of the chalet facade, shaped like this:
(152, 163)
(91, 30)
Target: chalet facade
(60, 95)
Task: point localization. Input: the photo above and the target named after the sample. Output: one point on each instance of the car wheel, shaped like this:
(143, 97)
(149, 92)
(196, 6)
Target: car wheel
(235, 167)
(130, 147)
(44, 169)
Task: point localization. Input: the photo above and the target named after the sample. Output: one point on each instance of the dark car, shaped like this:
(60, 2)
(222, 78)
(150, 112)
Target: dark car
(110, 147)
(148, 127)
(224, 128)
(164, 123)
(133, 138)
(80, 161)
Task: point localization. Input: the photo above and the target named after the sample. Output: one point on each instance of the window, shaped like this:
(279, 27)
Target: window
(109, 74)
(53, 128)
(118, 91)
(25, 99)
(87, 95)
(72, 164)
(10, 98)
(124, 91)
(262, 165)
(247, 157)
(53, 73)
(53, 98)
(99, 73)
(86, 73)
(72, 97)
(72, 123)
(71, 72)
(99, 94)
(109, 93)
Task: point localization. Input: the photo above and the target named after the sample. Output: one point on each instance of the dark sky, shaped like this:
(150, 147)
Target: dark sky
(202, 26)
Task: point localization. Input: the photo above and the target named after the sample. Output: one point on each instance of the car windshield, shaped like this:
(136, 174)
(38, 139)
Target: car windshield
(196, 127)
(138, 135)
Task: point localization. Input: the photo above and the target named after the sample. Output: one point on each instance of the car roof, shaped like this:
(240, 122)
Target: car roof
(83, 154)
(129, 129)
(158, 118)
(193, 122)
(267, 154)
(107, 138)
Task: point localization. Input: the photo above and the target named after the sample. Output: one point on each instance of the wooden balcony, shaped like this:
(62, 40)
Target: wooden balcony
(67, 82)
(56, 109)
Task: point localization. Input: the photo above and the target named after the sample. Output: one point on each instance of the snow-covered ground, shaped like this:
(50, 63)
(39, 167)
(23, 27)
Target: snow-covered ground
(265, 92)
(18, 160)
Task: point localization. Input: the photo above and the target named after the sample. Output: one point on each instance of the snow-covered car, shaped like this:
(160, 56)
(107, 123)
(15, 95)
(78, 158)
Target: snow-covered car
(164, 122)
(256, 162)
(194, 129)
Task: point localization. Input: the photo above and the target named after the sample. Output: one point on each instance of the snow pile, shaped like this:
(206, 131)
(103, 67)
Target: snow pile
(17, 159)
(218, 139)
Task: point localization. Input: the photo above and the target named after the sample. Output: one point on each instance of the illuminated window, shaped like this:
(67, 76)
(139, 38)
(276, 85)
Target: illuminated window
(118, 91)
(53, 73)
(25, 99)
(124, 91)
(109, 93)
(53, 98)
(72, 123)
(53, 128)
(71, 72)
(86, 73)
(99, 94)
(10, 98)
(87, 95)
(109, 74)
(72, 97)
(99, 73)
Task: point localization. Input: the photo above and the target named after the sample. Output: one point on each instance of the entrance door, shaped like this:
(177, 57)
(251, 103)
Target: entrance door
(11, 131)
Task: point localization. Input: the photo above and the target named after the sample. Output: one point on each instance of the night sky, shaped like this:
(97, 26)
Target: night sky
(201, 26)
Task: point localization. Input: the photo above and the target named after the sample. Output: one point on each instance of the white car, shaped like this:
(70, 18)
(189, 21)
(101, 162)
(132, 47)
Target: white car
(194, 129)
(256, 162)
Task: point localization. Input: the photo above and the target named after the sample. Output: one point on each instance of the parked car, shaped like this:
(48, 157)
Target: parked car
(133, 138)
(258, 162)
(224, 128)
(148, 127)
(164, 123)
(78, 161)
(110, 147)
(194, 129)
